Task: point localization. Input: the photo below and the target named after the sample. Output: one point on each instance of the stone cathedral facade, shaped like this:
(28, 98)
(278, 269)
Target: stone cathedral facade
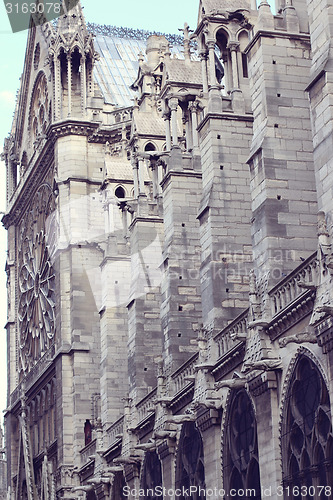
(170, 258)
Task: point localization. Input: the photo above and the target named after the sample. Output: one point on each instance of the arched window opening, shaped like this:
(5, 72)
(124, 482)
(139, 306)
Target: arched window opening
(118, 492)
(219, 69)
(241, 469)
(91, 495)
(243, 42)
(307, 439)
(63, 69)
(152, 475)
(190, 461)
(150, 147)
(222, 60)
(120, 192)
(244, 66)
(76, 61)
(87, 432)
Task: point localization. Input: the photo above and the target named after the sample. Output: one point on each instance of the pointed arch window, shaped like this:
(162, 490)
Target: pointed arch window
(307, 440)
(190, 461)
(152, 475)
(223, 61)
(241, 469)
(119, 484)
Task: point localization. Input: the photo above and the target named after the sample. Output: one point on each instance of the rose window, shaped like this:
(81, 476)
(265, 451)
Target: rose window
(36, 280)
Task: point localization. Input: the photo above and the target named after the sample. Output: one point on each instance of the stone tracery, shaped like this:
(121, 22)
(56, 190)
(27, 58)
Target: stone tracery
(36, 307)
(307, 437)
(241, 465)
(190, 463)
(39, 109)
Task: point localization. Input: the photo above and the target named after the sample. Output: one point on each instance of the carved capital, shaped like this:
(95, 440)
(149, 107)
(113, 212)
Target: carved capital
(173, 103)
(233, 46)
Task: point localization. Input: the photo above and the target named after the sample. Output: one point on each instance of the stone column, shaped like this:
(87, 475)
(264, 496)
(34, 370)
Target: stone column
(234, 48)
(211, 57)
(227, 72)
(173, 104)
(141, 165)
(194, 117)
(134, 164)
(203, 58)
(57, 88)
(159, 177)
(166, 117)
(69, 79)
(166, 452)
(83, 85)
(264, 389)
(154, 171)
(188, 129)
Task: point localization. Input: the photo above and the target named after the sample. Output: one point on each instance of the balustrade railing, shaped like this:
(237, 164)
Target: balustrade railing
(179, 377)
(88, 452)
(115, 430)
(145, 405)
(227, 338)
(289, 289)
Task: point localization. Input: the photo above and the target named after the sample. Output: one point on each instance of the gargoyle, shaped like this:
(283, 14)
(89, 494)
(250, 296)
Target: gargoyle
(325, 308)
(82, 488)
(113, 469)
(165, 434)
(299, 338)
(180, 419)
(231, 383)
(264, 364)
(210, 404)
(149, 446)
(130, 460)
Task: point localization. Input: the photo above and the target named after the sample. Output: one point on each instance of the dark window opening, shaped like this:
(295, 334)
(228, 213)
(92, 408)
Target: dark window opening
(307, 434)
(190, 462)
(150, 147)
(152, 474)
(241, 470)
(87, 432)
(245, 66)
(120, 192)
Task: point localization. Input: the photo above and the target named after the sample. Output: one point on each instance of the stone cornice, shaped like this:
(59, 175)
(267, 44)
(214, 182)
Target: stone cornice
(262, 383)
(207, 418)
(180, 173)
(182, 398)
(73, 127)
(229, 361)
(325, 335)
(276, 34)
(224, 116)
(291, 315)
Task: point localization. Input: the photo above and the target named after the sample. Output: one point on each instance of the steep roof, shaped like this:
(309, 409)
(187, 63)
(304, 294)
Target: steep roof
(118, 65)
(212, 6)
(184, 73)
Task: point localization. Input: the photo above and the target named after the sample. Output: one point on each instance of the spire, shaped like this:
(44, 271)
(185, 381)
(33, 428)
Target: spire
(72, 21)
(187, 51)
